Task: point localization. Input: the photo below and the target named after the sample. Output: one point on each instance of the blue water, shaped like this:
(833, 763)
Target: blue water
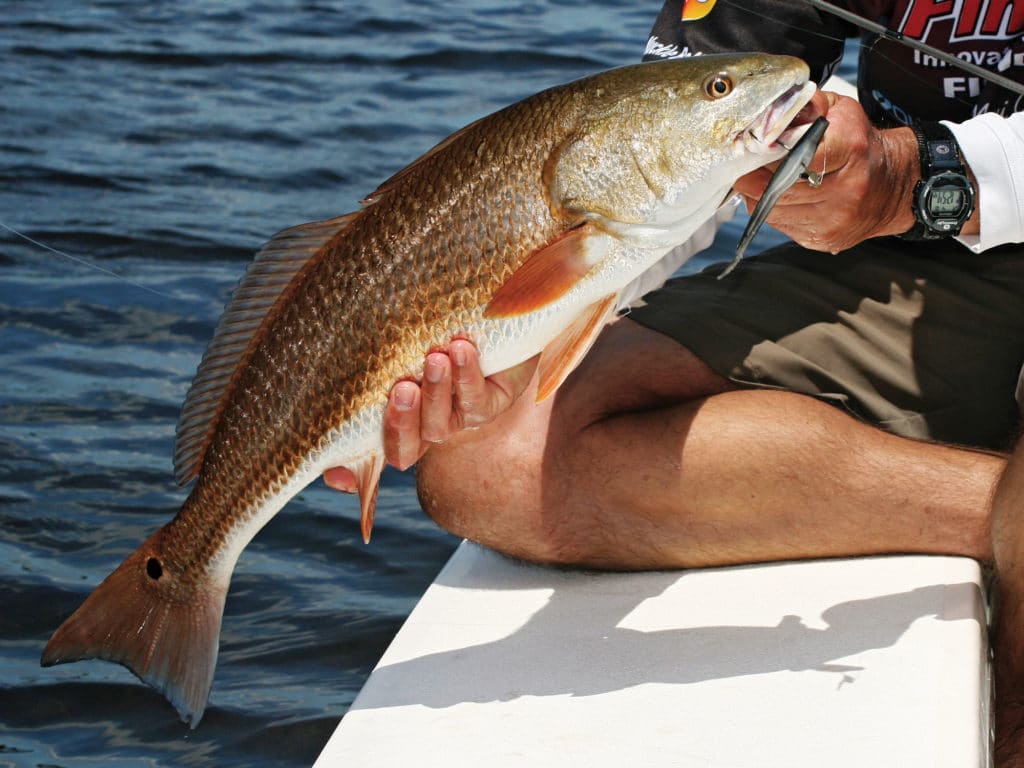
(165, 142)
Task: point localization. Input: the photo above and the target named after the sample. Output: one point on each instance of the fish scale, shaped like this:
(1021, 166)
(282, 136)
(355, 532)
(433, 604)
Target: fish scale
(518, 231)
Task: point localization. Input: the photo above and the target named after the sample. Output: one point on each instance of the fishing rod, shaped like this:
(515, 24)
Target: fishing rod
(899, 37)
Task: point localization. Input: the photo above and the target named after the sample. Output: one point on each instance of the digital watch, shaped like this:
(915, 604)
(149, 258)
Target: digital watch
(944, 197)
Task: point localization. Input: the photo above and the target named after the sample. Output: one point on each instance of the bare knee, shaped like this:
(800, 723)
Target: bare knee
(519, 485)
(486, 484)
(487, 489)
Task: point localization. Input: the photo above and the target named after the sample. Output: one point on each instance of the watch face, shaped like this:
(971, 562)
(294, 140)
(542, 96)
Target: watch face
(945, 201)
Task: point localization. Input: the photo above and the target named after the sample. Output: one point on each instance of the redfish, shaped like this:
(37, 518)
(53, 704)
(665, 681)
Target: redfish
(518, 232)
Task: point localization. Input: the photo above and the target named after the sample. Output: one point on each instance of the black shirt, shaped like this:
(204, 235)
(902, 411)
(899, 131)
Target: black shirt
(895, 83)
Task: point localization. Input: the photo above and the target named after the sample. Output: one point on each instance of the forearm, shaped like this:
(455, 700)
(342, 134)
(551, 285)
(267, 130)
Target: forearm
(899, 172)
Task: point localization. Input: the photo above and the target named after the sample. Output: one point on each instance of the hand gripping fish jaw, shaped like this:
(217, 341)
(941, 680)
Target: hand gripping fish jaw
(790, 170)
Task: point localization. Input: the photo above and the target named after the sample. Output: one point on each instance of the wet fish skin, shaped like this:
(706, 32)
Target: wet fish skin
(518, 232)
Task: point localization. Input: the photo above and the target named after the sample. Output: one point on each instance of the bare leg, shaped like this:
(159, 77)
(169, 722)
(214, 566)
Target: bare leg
(1008, 637)
(646, 458)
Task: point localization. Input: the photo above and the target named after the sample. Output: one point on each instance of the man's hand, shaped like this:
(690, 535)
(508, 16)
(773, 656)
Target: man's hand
(867, 188)
(453, 396)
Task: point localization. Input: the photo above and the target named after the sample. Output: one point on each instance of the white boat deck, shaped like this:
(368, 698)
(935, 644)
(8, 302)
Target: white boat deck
(866, 662)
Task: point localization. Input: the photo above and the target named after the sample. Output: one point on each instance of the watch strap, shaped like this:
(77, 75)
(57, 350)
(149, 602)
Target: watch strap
(938, 152)
(937, 149)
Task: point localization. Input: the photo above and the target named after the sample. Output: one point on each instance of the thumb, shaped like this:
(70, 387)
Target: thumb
(825, 100)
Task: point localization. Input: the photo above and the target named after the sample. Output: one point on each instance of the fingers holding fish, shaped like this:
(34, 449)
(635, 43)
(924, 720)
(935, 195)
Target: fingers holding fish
(437, 402)
(340, 479)
(454, 395)
(478, 400)
(816, 108)
(403, 441)
(819, 105)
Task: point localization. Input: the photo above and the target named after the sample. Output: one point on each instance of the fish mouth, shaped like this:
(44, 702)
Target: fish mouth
(782, 122)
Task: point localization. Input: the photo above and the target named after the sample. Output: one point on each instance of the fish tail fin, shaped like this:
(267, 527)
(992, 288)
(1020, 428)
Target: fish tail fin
(163, 628)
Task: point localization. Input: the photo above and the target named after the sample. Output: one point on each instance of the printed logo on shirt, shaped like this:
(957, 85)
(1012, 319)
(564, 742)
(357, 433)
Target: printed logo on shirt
(656, 48)
(974, 19)
(984, 32)
(698, 9)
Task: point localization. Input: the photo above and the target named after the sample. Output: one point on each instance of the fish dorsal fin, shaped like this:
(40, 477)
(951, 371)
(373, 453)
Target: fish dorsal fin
(398, 177)
(253, 302)
(546, 275)
(562, 355)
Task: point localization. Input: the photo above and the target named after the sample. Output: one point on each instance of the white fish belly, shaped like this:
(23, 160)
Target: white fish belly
(508, 341)
(347, 446)
(503, 343)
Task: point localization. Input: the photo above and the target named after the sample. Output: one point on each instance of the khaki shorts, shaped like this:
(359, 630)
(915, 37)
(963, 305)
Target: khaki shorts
(923, 339)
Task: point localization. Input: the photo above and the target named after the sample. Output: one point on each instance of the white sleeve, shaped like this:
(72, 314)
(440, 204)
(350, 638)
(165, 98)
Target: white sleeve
(993, 147)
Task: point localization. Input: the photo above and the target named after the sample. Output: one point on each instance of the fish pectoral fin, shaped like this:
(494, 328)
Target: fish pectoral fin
(546, 275)
(562, 355)
(368, 483)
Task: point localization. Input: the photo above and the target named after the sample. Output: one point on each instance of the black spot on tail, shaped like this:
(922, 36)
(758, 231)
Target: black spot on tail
(154, 569)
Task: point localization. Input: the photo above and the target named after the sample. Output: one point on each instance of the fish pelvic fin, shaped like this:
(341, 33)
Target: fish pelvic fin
(565, 352)
(142, 617)
(368, 483)
(547, 274)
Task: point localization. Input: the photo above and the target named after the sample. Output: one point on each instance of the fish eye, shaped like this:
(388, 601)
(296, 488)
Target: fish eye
(718, 85)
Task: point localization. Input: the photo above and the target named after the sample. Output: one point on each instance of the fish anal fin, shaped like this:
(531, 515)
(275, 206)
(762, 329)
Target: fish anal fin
(164, 629)
(255, 301)
(546, 275)
(562, 355)
(368, 484)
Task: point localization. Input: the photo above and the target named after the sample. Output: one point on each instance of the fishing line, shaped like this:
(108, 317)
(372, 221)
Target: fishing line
(85, 263)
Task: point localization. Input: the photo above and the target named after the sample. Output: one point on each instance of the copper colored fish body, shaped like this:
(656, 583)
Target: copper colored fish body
(520, 232)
